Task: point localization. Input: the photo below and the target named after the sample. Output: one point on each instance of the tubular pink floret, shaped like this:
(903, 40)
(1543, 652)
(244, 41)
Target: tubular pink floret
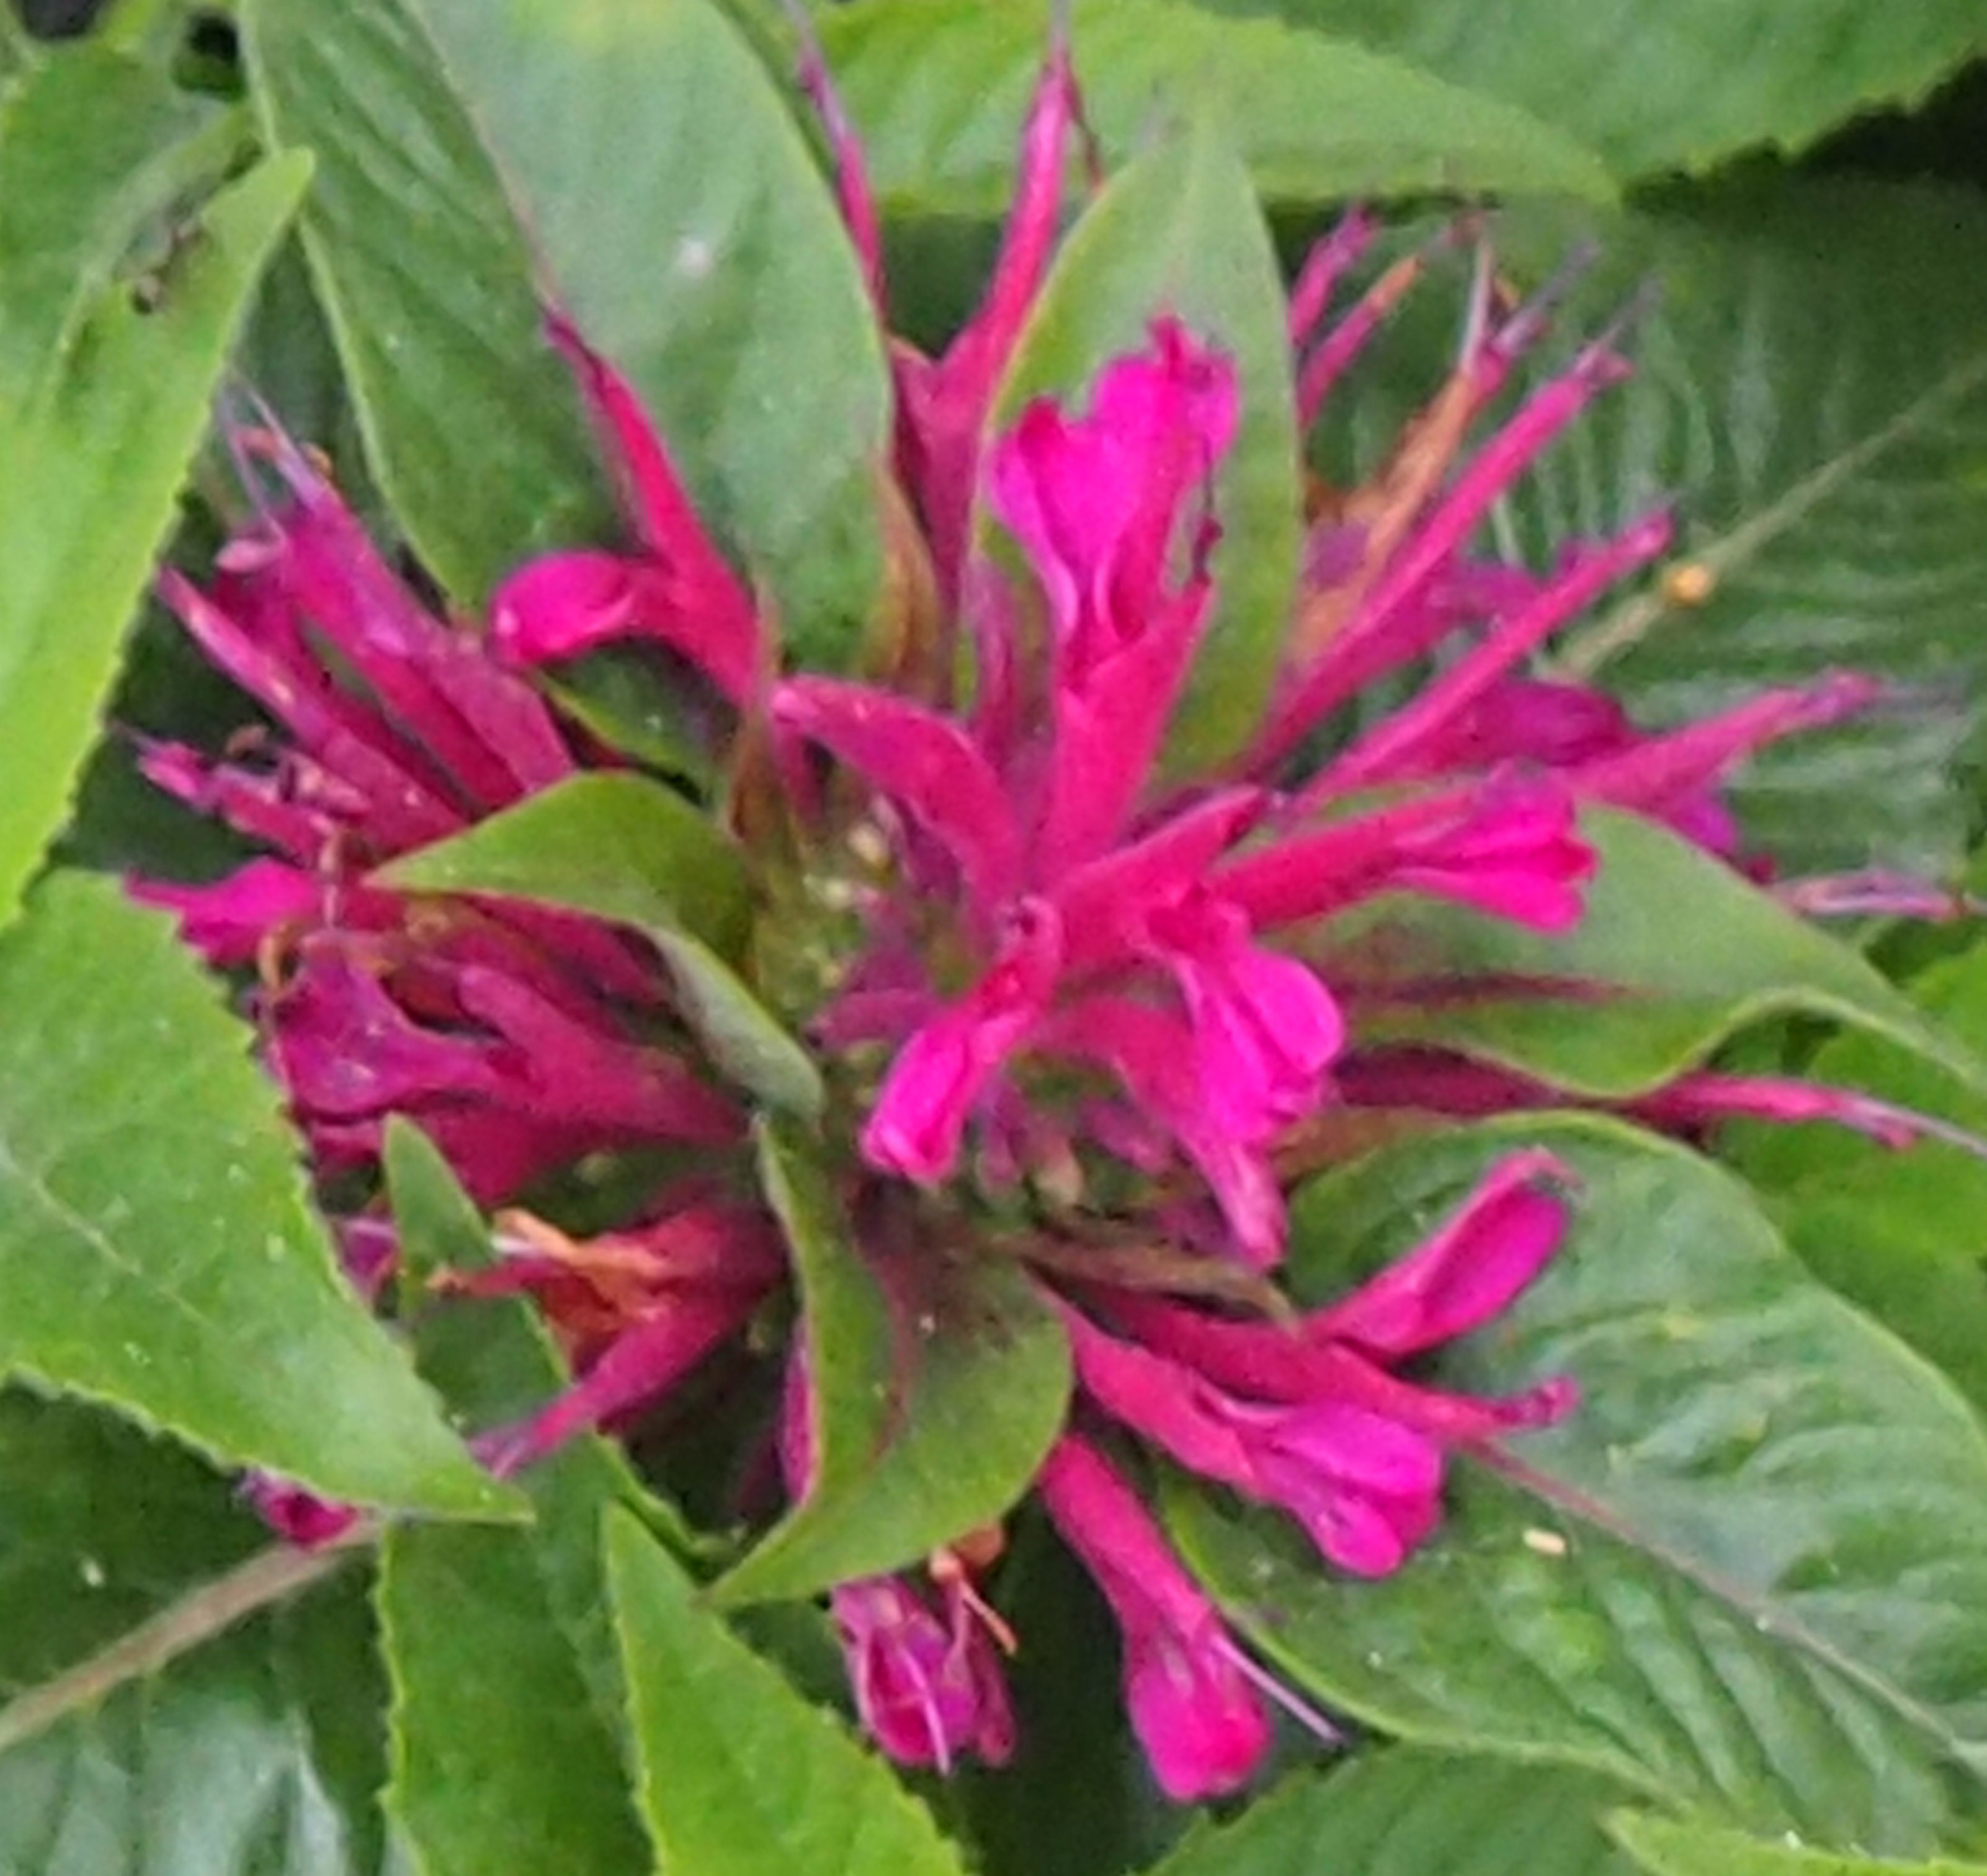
(1389, 749)
(1877, 893)
(1198, 1719)
(1663, 769)
(852, 190)
(1324, 267)
(1706, 1097)
(1438, 536)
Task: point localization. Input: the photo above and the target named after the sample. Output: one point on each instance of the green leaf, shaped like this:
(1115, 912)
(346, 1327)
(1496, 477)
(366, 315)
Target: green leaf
(91, 462)
(682, 221)
(254, 1755)
(1179, 232)
(258, 1755)
(1410, 1813)
(93, 151)
(612, 844)
(1662, 997)
(1675, 1847)
(1813, 389)
(156, 1251)
(939, 1382)
(938, 94)
(507, 1713)
(738, 1031)
(1655, 85)
(738, 1774)
(1748, 1572)
(1898, 1233)
(105, 1528)
(211, 1748)
(473, 426)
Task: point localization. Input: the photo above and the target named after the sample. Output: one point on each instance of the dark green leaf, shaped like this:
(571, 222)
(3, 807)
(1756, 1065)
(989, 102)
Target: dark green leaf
(1813, 389)
(738, 1774)
(1747, 1573)
(1677, 1847)
(1179, 232)
(1655, 85)
(1662, 995)
(91, 460)
(683, 224)
(1412, 1814)
(156, 1250)
(611, 844)
(258, 1755)
(93, 151)
(475, 431)
(104, 1528)
(938, 95)
(938, 1382)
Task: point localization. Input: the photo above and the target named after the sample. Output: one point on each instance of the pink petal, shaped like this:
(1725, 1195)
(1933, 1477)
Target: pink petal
(1154, 1055)
(1506, 846)
(639, 1366)
(557, 1065)
(1106, 903)
(942, 405)
(921, 1110)
(1096, 502)
(1195, 1713)
(344, 1049)
(1366, 1489)
(228, 922)
(1265, 1028)
(1472, 1268)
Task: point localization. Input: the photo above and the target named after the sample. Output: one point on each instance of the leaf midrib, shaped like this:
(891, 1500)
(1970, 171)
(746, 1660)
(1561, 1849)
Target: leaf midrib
(1625, 626)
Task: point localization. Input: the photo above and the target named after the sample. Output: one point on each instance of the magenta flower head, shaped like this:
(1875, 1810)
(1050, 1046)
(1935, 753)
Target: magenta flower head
(1069, 1008)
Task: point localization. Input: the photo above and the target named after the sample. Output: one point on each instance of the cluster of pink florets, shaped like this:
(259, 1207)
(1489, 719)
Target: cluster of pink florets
(1067, 976)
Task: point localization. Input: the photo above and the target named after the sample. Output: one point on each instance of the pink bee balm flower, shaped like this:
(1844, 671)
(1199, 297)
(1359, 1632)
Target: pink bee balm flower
(1070, 1007)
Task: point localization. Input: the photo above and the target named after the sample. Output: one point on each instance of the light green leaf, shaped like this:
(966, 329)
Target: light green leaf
(1179, 232)
(938, 94)
(1675, 1847)
(1747, 1573)
(612, 844)
(738, 1774)
(1660, 995)
(938, 1383)
(1812, 390)
(683, 222)
(1655, 85)
(156, 1251)
(91, 462)
(1400, 1813)
(740, 1034)
(473, 426)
